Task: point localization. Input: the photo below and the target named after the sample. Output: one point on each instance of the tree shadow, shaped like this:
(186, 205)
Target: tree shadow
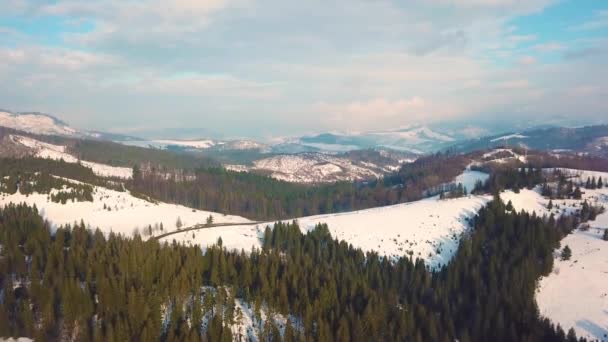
(597, 331)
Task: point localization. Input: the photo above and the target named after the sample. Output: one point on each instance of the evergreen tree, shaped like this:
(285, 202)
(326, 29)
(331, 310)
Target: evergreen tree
(577, 193)
(566, 253)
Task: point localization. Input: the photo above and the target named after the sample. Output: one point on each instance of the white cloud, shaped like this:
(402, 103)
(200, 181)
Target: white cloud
(549, 47)
(527, 60)
(599, 21)
(514, 84)
(522, 38)
(372, 113)
(291, 65)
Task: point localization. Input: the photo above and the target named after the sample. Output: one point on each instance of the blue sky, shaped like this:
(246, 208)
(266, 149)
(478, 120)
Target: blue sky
(275, 67)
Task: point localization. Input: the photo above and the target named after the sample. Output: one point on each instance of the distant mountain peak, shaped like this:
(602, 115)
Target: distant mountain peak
(37, 123)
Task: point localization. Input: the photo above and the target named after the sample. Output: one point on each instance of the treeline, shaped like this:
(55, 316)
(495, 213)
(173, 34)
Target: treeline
(116, 154)
(260, 197)
(45, 169)
(508, 177)
(79, 285)
(58, 189)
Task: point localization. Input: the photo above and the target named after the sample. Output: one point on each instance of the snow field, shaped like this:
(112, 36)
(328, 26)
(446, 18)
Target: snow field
(123, 212)
(58, 152)
(575, 294)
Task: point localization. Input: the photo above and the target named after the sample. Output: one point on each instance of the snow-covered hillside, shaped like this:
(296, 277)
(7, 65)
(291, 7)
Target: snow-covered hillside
(416, 139)
(316, 167)
(57, 152)
(508, 137)
(429, 229)
(201, 144)
(575, 294)
(36, 123)
(115, 211)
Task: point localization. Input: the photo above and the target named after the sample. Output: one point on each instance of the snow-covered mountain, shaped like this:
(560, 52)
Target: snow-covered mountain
(416, 139)
(45, 150)
(314, 167)
(36, 123)
(46, 124)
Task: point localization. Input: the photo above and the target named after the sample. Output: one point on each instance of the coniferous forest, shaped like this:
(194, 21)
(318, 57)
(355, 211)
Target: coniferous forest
(79, 285)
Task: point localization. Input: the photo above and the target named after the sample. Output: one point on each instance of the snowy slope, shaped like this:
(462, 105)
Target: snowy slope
(125, 213)
(416, 139)
(36, 123)
(57, 152)
(469, 178)
(202, 144)
(315, 168)
(575, 294)
(510, 136)
(429, 229)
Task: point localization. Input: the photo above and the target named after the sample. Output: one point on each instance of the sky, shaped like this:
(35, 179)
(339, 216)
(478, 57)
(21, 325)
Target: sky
(286, 67)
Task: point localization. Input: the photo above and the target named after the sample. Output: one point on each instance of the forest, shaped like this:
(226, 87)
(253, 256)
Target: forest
(80, 285)
(260, 197)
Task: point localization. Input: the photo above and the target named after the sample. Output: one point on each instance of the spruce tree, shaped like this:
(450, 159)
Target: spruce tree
(566, 253)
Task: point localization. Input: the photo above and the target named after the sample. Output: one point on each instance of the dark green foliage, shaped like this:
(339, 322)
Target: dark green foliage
(457, 191)
(486, 292)
(502, 178)
(566, 253)
(605, 236)
(577, 193)
(44, 183)
(259, 197)
(111, 153)
(47, 173)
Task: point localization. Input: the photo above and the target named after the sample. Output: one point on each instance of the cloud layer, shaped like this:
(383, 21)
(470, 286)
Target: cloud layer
(256, 67)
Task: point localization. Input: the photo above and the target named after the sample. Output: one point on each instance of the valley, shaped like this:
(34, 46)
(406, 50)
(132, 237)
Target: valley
(386, 204)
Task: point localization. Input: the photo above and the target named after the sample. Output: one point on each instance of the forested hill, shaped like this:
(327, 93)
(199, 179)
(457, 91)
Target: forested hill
(79, 285)
(260, 197)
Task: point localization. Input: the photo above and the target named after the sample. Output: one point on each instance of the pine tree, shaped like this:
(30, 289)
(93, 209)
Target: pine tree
(566, 253)
(605, 237)
(577, 193)
(550, 205)
(600, 183)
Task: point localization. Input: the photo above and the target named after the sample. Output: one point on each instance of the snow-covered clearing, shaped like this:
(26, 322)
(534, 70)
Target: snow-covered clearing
(498, 156)
(316, 168)
(575, 294)
(123, 213)
(58, 152)
(429, 229)
(469, 178)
